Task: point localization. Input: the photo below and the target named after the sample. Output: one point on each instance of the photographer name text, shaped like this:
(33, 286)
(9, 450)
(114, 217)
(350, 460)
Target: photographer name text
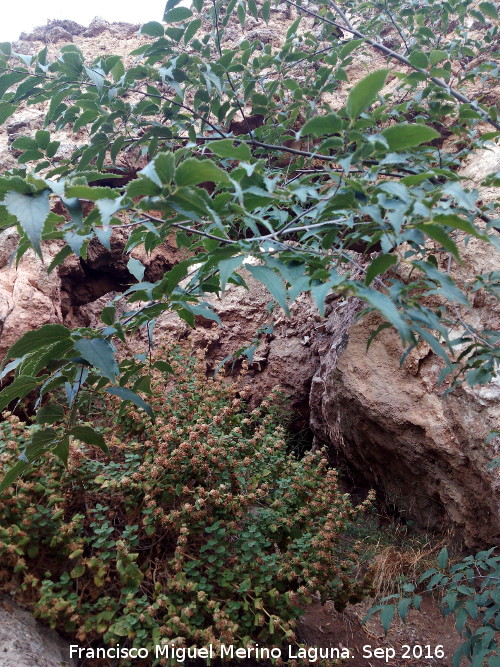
(231, 652)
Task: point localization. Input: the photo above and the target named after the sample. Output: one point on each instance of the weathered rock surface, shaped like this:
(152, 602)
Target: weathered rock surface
(26, 643)
(394, 426)
(57, 30)
(427, 451)
(29, 297)
(282, 358)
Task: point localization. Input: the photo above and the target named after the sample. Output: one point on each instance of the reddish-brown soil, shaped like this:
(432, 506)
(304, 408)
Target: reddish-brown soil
(322, 626)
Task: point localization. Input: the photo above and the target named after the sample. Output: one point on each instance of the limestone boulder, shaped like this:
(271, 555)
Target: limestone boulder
(26, 643)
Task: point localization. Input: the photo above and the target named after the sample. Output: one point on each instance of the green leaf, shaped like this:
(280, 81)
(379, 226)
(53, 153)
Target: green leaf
(101, 354)
(39, 443)
(436, 56)
(455, 221)
(12, 474)
(266, 10)
(153, 29)
(419, 59)
(31, 212)
(489, 9)
(438, 234)
(403, 608)
(136, 268)
(19, 388)
(42, 356)
(108, 315)
(379, 265)
(408, 135)
(442, 559)
(10, 79)
(348, 48)
(50, 414)
(386, 616)
(193, 172)
(42, 138)
(365, 93)
(61, 450)
(90, 436)
(30, 156)
(107, 208)
(226, 148)
(191, 30)
(177, 14)
(46, 335)
(164, 164)
(321, 125)
(128, 395)
(6, 110)
(92, 193)
(272, 281)
(96, 77)
(387, 308)
(227, 267)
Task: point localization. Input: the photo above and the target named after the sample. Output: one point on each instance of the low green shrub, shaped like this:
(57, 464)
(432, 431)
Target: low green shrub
(470, 591)
(202, 528)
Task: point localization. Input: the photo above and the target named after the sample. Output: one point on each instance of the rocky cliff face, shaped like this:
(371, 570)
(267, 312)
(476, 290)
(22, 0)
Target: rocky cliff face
(395, 425)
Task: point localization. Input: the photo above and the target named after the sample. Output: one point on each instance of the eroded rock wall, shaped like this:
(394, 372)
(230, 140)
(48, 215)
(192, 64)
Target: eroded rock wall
(392, 423)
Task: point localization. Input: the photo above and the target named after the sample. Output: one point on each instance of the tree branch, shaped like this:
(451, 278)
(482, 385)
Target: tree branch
(397, 56)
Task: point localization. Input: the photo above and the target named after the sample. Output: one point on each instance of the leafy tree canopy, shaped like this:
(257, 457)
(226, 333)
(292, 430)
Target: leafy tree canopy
(246, 155)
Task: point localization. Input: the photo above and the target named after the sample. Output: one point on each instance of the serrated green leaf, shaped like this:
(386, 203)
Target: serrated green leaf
(136, 268)
(455, 221)
(403, 608)
(6, 110)
(226, 148)
(194, 172)
(321, 125)
(101, 354)
(42, 138)
(128, 395)
(90, 436)
(419, 59)
(177, 14)
(46, 335)
(436, 56)
(10, 79)
(272, 281)
(365, 93)
(379, 265)
(266, 10)
(164, 164)
(438, 234)
(407, 135)
(96, 77)
(387, 308)
(227, 267)
(490, 9)
(191, 30)
(386, 616)
(153, 29)
(442, 559)
(31, 211)
(50, 414)
(19, 388)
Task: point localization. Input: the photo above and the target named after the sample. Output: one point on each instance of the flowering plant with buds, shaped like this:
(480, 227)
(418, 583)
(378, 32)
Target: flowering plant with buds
(203, 529)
